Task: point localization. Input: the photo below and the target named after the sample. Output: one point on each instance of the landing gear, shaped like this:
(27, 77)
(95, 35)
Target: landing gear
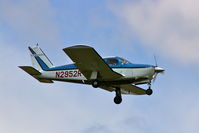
(118, 97)
(149, 91)
(117, 100)
(95, 83)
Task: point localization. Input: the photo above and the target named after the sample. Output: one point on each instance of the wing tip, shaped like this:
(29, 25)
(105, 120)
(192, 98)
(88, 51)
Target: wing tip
(77, 47)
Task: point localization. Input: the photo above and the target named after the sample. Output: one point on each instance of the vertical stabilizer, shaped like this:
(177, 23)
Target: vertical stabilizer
(39, 60)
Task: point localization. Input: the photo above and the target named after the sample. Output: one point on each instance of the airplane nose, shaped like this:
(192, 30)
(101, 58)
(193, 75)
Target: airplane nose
(159, 69)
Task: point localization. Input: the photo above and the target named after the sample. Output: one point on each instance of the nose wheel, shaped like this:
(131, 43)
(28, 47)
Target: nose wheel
(118, 97)
(149, 91)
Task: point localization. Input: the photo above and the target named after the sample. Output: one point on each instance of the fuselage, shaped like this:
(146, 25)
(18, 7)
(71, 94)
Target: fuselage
(132, 73)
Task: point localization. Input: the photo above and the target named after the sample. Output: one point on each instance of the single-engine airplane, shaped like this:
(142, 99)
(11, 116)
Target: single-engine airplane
(111, 73)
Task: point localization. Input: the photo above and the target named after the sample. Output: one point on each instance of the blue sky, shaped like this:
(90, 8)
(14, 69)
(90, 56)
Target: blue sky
(135, 30)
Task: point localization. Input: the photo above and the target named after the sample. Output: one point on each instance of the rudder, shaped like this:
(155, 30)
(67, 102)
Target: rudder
(39, 60)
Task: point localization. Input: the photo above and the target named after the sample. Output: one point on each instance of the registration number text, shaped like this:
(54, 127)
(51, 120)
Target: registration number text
(65, 74)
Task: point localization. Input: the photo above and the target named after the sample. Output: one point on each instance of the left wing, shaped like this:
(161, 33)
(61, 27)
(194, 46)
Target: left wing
(126, 89)
(132, 89)
(90, 63)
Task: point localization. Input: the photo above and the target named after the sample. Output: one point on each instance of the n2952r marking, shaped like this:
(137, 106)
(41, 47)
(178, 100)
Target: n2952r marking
(65, 74)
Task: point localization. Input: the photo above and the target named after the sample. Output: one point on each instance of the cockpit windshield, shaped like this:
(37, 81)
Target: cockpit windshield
(112, 61)
(123, 61)
(116, 61)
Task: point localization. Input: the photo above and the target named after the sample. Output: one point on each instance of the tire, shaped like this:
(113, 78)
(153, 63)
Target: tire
(149, 91)
(95, 84)
(117, 100)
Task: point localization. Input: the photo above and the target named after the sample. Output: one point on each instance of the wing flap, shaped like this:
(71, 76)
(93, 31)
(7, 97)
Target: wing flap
(89, 62)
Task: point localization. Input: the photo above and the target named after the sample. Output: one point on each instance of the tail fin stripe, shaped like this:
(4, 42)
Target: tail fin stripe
(39, 60)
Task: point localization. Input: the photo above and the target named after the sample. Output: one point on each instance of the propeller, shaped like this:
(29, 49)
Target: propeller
(157, 69)
(156, 64)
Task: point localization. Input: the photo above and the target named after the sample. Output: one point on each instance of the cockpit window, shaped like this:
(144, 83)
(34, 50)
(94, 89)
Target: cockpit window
(112, 61)
(125, 61)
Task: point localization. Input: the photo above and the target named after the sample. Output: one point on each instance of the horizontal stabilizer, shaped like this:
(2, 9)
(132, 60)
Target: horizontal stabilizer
(30, 70)
(35, 73)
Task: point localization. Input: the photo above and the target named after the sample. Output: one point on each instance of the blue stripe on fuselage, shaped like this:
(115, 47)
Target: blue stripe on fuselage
(73, 66)
(64, 67)
(131, 66)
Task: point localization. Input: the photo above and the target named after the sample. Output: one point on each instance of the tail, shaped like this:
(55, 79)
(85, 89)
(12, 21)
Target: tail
(39, 60)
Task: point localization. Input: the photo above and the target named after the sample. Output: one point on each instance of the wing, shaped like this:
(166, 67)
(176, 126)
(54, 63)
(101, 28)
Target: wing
(107, 88)
(126, 89)
(90, 63)
(132, 89)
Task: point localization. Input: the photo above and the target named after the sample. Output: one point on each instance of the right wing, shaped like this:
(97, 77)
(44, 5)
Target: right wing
(90, 63)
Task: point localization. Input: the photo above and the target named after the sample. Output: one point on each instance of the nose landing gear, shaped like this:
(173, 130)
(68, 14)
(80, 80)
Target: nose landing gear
(149, 91)
(118, 97)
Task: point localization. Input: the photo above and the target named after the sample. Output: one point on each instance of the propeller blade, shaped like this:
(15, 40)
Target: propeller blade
(156, 64)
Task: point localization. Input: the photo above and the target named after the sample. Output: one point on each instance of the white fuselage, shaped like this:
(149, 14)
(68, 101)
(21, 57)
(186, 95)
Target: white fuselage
(76, 75)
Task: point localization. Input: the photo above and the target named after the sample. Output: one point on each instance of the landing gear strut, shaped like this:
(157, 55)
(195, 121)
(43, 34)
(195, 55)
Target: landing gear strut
(118, 97)
(149, 91)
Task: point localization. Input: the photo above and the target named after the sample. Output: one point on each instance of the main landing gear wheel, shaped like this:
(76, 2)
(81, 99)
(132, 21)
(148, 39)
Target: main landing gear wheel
(149, 91)
(95, 83)
(117, 100)
(118, 97)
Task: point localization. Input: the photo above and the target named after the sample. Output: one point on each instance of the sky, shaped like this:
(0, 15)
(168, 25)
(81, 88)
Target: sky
(133, 29)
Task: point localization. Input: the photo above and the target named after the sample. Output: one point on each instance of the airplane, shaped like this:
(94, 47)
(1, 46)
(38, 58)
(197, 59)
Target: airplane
(113, 74)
